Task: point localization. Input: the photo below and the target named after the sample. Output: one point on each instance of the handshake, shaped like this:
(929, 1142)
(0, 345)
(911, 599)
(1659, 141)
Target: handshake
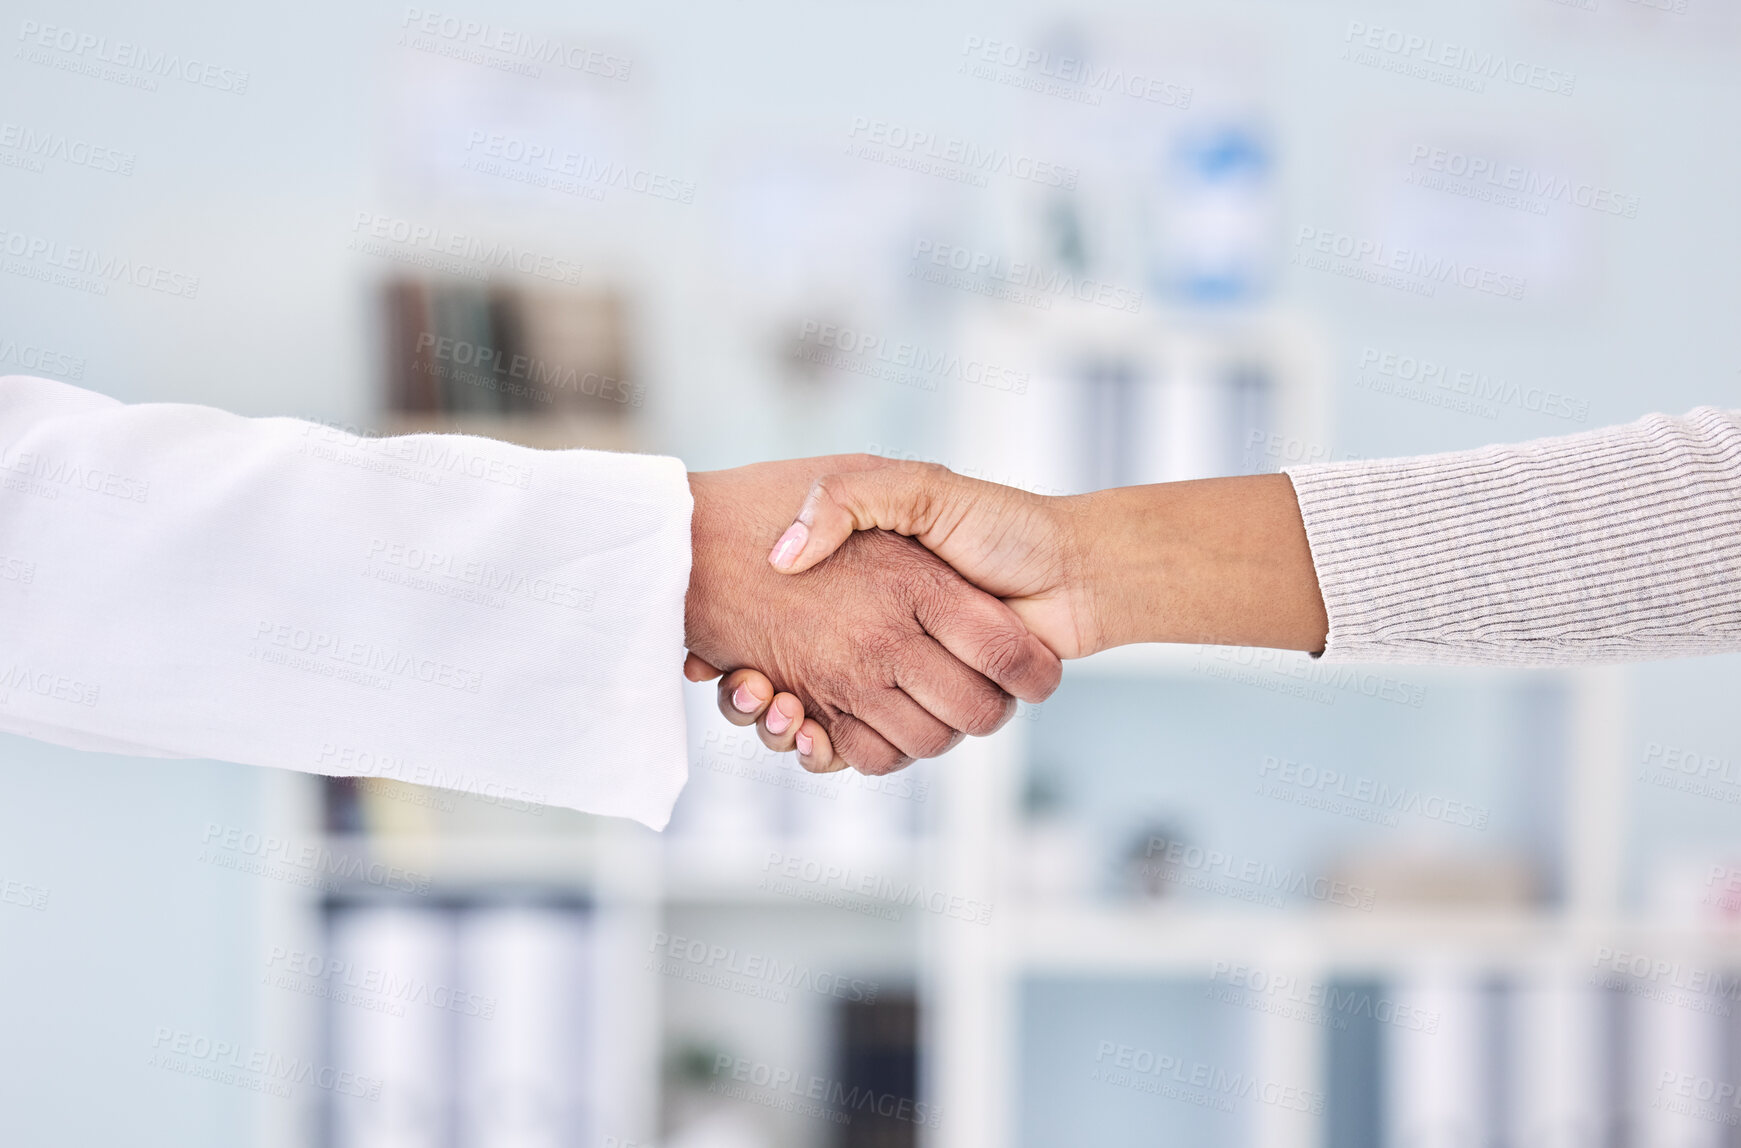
(867, 612)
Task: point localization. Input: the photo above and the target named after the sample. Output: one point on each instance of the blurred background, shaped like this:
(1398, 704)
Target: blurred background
(1202, 896)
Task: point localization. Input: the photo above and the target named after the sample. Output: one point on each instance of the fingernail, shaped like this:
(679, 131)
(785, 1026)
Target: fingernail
(745, 701)
(778, 722)
(791, 543)
(805, 744)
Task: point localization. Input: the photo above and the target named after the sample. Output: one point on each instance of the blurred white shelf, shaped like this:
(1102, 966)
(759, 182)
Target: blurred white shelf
(789, 872)
(1189, 942)
(452, 861)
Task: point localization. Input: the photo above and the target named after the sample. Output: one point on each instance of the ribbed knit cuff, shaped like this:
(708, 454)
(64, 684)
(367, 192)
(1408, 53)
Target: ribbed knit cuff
(1617, 544)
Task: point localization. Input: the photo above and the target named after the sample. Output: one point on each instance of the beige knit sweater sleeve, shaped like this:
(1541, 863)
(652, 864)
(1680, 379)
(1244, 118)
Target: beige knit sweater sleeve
(1613, 545)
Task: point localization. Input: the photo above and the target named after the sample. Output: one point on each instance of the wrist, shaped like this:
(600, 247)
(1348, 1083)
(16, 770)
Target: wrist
(1222, 561)
(702, 519)
(1121, 567)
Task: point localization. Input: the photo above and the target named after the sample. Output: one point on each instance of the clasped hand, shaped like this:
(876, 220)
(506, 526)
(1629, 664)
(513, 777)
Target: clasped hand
(906, 604)
(884, 653)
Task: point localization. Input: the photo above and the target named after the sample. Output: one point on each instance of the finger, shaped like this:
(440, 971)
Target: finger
(743, 695)
(986, 634)
(906, 725)
(957, 695)
(815, 750)
(915, 499)
(697, 670)
(778, 728)
(858, 745)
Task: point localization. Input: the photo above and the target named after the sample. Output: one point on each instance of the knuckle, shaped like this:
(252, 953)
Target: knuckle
(931, 588)
(855, 745)
(834, 486)
(935, 743)
(933, 474)
(988, 710)
(879, 761)
(1005, 654)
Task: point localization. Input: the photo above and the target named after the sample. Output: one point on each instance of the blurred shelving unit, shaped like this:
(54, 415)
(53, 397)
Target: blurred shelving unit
(1176, 396)
(632, 881)
(975, 992)
(1166, 379)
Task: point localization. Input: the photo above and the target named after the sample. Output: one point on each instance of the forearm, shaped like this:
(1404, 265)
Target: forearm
(1221, 560)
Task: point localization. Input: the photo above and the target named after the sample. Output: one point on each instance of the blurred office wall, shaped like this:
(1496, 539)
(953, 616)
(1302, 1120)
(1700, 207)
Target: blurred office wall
(1210, 897)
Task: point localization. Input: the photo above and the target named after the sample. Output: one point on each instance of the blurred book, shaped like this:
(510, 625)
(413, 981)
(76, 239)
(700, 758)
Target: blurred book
(545, 367)
(878, 1075)
(458, 1025)
(1411, 879)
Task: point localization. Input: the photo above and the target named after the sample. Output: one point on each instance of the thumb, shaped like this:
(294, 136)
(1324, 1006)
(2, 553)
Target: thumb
(911, 499)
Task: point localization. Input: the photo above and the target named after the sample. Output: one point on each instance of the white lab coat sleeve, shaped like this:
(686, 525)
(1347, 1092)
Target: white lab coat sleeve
(445, 610)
